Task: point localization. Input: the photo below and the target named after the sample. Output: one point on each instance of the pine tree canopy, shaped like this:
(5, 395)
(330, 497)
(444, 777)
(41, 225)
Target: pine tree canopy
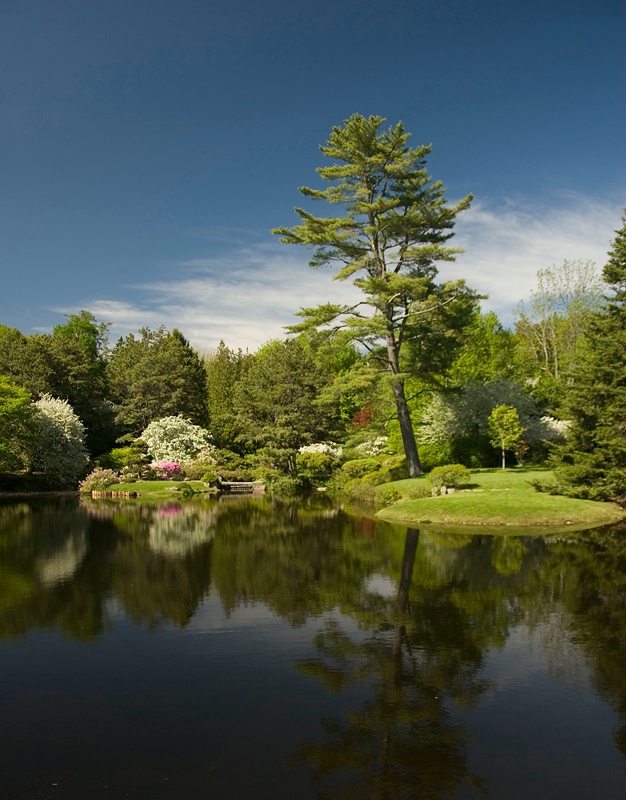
(393, 231)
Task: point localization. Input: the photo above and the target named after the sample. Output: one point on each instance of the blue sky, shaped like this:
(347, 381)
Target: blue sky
(147, 147)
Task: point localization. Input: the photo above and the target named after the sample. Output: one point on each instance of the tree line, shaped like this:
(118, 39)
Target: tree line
(415, 360)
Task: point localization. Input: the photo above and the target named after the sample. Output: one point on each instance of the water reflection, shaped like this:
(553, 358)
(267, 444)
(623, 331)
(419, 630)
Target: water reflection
(401, 625)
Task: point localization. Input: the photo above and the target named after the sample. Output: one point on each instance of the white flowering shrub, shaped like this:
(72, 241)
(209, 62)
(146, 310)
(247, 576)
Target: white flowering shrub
(374, 447)
(554, 430)
(59, 442)
(175, 439)
(325, 448)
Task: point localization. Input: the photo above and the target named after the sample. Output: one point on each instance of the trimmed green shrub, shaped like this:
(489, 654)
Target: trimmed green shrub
(316, 467)
(421, 489)
(396, 467)
(451, 476)
(287, 486)
(359, 467)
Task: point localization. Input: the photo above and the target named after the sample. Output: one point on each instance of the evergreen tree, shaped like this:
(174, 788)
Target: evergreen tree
(225, 368)
(393, 232)
(593, 461)
(276, 402)
(78, 349)
(157, 374)
(27, 361)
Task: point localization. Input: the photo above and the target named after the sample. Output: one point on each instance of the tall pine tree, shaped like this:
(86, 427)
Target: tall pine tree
(393, 232)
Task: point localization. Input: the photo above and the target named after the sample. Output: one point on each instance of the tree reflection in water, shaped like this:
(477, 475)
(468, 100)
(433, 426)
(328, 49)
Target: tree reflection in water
(403, 662)
(403, 740)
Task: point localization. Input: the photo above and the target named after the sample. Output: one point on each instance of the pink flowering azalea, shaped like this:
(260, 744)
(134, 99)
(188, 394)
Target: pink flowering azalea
(166, 469)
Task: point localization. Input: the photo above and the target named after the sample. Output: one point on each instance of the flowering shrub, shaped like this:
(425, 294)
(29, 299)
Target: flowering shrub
(326, 448)
(166, 470)
(58, 447)
(98, 479)
(374, 447)
(555, 430)
(175, 439)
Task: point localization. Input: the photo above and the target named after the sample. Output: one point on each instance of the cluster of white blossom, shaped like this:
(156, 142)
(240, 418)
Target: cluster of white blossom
(467, 414)
(327, 448)
(175, 439)
(555, 430)
(59, 446)
(374, 447)
(206, 456)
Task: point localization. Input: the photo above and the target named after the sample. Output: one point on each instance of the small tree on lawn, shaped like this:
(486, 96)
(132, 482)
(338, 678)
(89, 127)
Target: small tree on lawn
(505, 429)
(59, 442)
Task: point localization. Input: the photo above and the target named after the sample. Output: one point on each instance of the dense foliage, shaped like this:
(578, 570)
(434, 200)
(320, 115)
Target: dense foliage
(592, 463)
(353, 392)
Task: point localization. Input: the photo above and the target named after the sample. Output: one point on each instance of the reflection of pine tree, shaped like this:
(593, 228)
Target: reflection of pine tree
(402, 741)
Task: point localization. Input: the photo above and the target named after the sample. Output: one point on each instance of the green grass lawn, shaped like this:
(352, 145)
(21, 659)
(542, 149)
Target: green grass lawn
(497, 498)
(158, 488)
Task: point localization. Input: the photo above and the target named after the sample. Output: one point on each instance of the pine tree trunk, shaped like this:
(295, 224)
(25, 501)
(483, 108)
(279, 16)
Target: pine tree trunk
(406, 428)
(404, 418)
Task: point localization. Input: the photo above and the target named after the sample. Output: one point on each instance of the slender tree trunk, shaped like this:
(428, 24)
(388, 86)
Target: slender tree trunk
(404, 418)
(406, 428)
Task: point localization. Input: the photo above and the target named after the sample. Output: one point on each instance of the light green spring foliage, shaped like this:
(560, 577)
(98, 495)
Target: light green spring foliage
(59, 443)
(15, 424)
(552, 326)
(466, 412)
(175, 439)
(505, 429)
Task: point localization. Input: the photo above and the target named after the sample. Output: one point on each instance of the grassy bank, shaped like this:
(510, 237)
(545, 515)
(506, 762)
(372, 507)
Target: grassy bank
(495, 499)
(159, 489)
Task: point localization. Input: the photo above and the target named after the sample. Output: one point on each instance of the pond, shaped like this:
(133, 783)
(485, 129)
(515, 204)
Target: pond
(250, 648)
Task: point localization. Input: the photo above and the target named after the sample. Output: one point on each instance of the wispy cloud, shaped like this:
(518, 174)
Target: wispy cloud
(246, 296)
(506, 245)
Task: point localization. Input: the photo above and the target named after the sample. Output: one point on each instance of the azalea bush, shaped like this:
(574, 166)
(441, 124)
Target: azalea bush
(166, 470)
(175, 439)
(98, 480)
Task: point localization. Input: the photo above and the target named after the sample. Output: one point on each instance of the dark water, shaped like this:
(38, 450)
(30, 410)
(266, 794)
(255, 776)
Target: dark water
(250, 649)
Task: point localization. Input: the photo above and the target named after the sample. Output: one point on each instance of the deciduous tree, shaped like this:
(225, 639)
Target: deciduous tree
(15, 424)
(505, 429)
(551, 327)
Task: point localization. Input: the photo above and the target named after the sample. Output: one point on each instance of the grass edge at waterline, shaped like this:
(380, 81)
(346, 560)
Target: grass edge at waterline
(498, 499)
